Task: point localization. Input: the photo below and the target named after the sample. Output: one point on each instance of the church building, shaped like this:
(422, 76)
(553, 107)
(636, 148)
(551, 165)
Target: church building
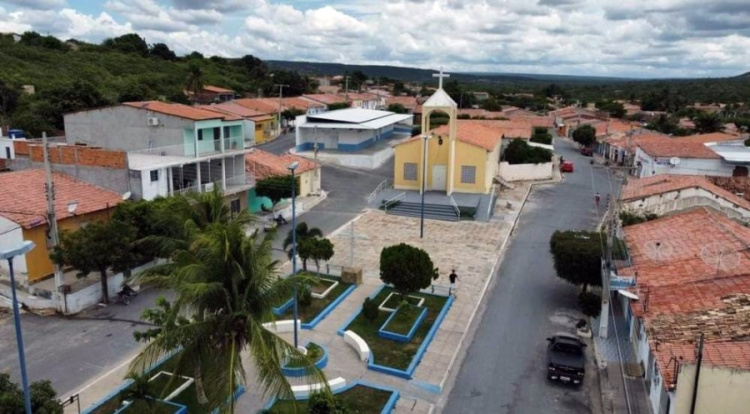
(460, 157)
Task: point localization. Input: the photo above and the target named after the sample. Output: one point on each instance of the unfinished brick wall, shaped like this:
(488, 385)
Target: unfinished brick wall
(733, 184)
(74, 155)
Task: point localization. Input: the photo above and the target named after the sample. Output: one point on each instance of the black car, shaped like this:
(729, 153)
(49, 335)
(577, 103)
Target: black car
(566, 360)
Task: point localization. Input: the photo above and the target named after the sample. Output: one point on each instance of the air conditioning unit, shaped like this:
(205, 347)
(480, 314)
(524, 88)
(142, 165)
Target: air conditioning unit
(208, 187)
(153, 121)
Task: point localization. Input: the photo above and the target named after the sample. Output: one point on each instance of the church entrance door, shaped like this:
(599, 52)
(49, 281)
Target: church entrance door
(438, 177)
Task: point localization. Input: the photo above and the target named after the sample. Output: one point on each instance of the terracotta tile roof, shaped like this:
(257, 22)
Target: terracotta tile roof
(180, 111)
(263, 164)
(300, 103)
(620, 140)
(329, 89)
(730, 354)
(409, 102)
(712, 137)
(356, 96)
(683, 147)
(264, 106)
(509, 128)
(688, 242)
(659, 184)
(24, 200)
(216, 89)
(231, 108)
(325, 98)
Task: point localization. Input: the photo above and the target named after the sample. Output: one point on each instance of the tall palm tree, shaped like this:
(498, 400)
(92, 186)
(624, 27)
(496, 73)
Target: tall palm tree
(195, 79)
(303, 232)
(226, 281)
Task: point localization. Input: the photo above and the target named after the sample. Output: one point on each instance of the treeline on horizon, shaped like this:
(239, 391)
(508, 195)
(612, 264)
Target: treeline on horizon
(74, 75)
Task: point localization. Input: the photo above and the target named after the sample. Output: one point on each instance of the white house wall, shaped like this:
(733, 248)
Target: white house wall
(6, 149)
(687, 166)
(683, 199)
(11, 235)
(151, 190)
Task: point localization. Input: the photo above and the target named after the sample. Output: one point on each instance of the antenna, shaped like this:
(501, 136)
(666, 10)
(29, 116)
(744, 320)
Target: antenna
(720, 256)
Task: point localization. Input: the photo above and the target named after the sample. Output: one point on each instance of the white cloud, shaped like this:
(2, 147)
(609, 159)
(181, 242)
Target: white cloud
(623, 37)
(37, 4)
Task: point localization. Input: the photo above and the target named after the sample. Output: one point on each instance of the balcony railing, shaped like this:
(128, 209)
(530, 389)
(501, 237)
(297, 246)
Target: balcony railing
(225, 145)
(231, 183)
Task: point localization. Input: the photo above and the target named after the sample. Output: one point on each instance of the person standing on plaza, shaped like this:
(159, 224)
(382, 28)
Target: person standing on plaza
(453, 278)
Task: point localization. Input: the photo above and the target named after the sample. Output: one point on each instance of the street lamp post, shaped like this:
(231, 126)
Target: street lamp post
(24, 248)
(293, 166)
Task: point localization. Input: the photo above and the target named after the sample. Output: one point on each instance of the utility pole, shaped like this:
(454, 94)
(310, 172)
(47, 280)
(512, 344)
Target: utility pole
(316, 188)
(51, 217)
(346, 87)
(698, 362)
(281, 89)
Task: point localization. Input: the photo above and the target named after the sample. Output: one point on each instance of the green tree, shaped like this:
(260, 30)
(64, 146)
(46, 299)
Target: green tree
(615, 109)
(226, 282)
(542, 136)
(322, 251)
(129, 43)
(519, 152)
(397, 108)
(48, 42)
(162, 51)
(577, 257)
(276, 188)
(195, 79)
(407, 268)
(75, 96)
(98, 247)
(338, 105)
(303, 233)
(357, 80)
(706, 123)
(585, 135)
(43, 397)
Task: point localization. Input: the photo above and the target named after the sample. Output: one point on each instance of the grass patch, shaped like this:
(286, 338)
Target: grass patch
(391, 353)
(314, 354)
(322, 285)
(359, 399)
(403, 320)
(310, 312)
(395, 301)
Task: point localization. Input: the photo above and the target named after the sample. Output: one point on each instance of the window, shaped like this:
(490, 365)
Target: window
(468, 174)
(234, 206)
(200, 135)
(410, 171)
(154, 175)
(227, 134)
(7, 153)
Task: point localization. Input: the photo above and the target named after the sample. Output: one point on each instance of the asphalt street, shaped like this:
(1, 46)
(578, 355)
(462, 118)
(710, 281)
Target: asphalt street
(504, 370)
(71, 352)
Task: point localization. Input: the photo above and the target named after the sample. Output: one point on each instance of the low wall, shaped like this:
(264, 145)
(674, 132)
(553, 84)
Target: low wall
(524, 172)
(354, 160)
(91, 295)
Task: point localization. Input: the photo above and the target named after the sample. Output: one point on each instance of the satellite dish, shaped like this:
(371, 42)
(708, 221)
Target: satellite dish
(72, 206)
(674, 161)
(126, 196)
(655, 250)
(720, 256)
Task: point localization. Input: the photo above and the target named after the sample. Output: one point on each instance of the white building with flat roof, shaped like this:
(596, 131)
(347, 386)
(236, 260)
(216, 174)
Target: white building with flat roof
(350, 130)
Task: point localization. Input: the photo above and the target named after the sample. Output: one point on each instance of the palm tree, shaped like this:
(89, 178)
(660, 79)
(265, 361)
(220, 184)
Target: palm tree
(226, 281)
(303, 232)
(194, 82)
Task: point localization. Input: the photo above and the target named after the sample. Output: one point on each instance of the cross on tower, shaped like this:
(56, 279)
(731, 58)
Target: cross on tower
(440, 76)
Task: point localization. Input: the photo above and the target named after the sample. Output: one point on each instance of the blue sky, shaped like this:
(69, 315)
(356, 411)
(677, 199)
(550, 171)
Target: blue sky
(633, 38)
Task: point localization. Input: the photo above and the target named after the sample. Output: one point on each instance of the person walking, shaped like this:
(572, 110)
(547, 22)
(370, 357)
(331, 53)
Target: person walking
(453, 277)
(597, 198)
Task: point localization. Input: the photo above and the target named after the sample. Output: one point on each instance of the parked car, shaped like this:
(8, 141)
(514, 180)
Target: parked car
(587, 152)
(567, 166)
(566, 360)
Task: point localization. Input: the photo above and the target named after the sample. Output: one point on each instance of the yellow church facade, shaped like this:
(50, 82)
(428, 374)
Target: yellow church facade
(474, 163)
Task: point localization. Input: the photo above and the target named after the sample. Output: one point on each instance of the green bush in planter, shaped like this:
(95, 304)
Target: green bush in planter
(305, 297)
(590, 304)
(321, 403)
(370, 310)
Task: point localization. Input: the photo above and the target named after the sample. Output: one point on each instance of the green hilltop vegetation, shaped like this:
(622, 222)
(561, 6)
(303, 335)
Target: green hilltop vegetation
(73, 75)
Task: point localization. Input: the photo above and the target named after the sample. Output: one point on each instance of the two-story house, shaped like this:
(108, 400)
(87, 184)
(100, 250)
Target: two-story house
(171, 148)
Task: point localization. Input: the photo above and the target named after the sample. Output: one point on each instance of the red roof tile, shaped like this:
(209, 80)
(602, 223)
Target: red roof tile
(263, 164)
(325, 98)
(216, 89)
(265, 106)
(180, 111)
(231, 108)
(24, 199)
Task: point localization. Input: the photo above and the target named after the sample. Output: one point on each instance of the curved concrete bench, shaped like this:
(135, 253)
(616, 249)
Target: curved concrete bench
(282, 326)
(304, 391)
(358, 344)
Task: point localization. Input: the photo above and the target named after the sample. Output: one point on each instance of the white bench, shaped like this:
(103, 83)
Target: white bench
(304, 391)
(358, 344)
(282, 326)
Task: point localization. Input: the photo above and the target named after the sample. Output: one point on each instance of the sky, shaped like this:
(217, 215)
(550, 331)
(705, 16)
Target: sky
(627, 38)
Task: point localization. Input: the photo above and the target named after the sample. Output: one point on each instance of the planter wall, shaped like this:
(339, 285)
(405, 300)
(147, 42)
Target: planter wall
(383, 332)
(301, 371)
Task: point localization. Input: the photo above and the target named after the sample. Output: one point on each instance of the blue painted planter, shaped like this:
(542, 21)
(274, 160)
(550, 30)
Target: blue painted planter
(387, 408)
(283, 308)
(178, 408)
(409, 371)
(383, 332)
(331, 306)
(349, 320)
(300, 371)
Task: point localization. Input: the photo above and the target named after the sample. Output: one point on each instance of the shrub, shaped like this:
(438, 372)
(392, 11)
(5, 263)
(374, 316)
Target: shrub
(463, 116)
(321, 403)
(370, 310)
(590, 304)
(416, 130)
(629, 219)
(519, 152)
(305, 297)
(542, 136)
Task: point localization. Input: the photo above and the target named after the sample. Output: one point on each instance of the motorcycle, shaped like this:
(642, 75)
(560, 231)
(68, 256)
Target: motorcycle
(124, 295)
